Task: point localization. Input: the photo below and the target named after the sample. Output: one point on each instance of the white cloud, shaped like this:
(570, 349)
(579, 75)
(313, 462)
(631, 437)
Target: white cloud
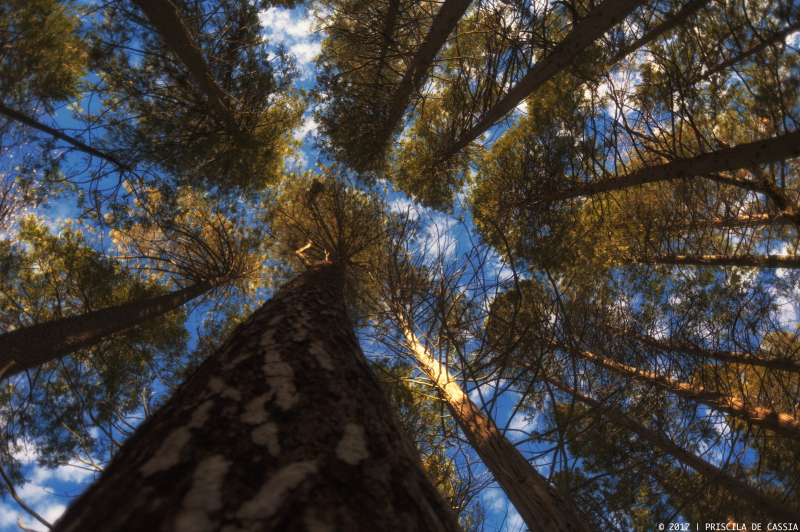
(293, 29)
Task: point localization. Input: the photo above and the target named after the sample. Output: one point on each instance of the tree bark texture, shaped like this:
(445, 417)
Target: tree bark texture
(593, 26)
(75, 143)
(30, 347)
(779, 423)
(539, 505)
(747, 155)
(168, 21)
(442, 26)
(712, 474)
(283, 428)
(730, 357)
(754, 261)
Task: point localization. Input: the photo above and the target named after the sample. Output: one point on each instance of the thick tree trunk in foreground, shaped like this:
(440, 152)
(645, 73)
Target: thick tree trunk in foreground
(779, 423)
(747, 155)
(75, 143)
(167, 19)
(756, 261)
(712, 474)
(590, 28)
(539, 505)
(284, 428)
(730, 357)
(33, 346)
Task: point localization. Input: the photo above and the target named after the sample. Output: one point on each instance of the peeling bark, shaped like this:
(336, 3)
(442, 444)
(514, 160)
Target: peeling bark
(539, 505)
(33, 346)
(711, 473)
(283, 428)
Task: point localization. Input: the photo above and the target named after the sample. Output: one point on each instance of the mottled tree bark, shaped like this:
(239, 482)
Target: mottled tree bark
(712, 474)
(590, 28)
(730, 357)
(747, 155)
(539, 505)
(284, 428)
(33, 346)
(777, 422)
(755, 261)
(442, 26)
(168, 21)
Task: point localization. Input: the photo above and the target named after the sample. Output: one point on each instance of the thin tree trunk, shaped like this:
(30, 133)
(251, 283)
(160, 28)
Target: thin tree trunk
(30, 347)
(284, 427)
(782, 424)
(744, 54)
(35, 124)
(593, 26)
(712, 474)
(747, 155)
(757, 261)
(730, 357)
(672, 22)
(738, 222)
(168, 21)
(539, 505)
(442, 26)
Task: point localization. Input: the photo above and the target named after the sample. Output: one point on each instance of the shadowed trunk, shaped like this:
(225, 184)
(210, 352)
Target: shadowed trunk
(712, 474)
(168, 21)
(756, 261)
(779, 423)
(590, 28)
(284, 427)
(539, 505)
(30, 347)
(747, 155)
(730, 357)
(75, 143)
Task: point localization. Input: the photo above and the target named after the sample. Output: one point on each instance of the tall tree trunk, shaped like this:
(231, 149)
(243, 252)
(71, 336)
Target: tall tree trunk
(777, 37)
(284, 427)
(672, 22)
(738, 222)
(779, 423)
(756, 261)
(442, 26)
(168, 21)
(539, 505)
(730, 357)
(75, 143)
(747, 155)
(33, 346)
(712, 474)
(593, 26)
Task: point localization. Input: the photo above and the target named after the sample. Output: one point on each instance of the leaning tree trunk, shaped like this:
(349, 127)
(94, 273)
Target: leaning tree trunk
(712, 474)
(755, 261)
(539, 505)
(284, 427)
(33, 346)
(777, 422)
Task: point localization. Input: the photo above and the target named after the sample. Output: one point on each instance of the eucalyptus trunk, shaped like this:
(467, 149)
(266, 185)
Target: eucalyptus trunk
(284, 427)
(30, 347)
(538, 503)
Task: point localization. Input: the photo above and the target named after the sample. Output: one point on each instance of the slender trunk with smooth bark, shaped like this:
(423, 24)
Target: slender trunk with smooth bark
(30, 347)
(442, 26)
(284, 427)
(729, 357)
(756, 261)
(779, 423)
(747, 155)
(590, 28)
(75, 143)
(712, 474)
(539, 505)
(167, 19)
(672, 22)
